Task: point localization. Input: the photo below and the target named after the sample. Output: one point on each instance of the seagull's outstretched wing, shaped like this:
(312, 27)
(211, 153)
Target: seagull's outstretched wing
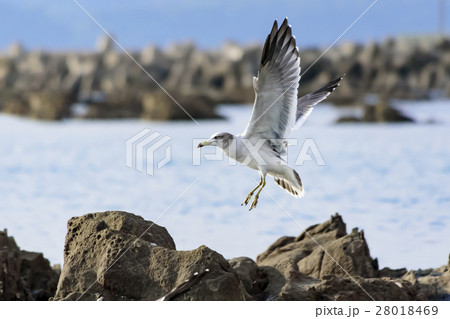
(276, 87)
(306, 103)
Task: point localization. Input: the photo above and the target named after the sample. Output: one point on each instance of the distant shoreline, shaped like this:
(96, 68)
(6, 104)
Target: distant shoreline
(51, 86)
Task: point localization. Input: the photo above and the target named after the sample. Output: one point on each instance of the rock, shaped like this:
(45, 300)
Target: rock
(159, 106)
(14, 103)
(392, 273)
(304, 254)
(24, 275)
(383, 112)
(16, 50)
(399, 68)
(364, 289)
(380, 113)
(48, 105)
(434, 284)
(331, 288)
(348, 255)
(348, 119)
(119, 104)
(104, 44)
(299, 269)
(120, 256)
(253, 278)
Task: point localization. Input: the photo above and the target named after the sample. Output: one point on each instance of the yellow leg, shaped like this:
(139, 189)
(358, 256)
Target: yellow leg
(249, 196)
(255, 200)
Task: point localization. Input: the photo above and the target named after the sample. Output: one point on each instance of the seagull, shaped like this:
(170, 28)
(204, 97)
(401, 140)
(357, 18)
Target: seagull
(276, 111)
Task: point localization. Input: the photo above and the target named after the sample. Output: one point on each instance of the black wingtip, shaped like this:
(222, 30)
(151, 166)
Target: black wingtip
(284, 24)
(279, 42)
(275, 25)
(331, 86)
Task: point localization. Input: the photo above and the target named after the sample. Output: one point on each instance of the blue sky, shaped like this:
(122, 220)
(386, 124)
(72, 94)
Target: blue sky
(61, 24)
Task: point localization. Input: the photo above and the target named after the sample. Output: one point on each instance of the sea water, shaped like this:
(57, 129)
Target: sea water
(392, 180)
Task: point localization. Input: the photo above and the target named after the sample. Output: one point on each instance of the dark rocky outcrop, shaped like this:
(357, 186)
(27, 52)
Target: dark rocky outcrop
(434, 284)
(311, 267)
(318, 251)
(24, 275)
(120, 256)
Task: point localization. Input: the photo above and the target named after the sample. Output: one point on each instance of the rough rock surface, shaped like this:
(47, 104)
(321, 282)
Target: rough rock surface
(318, 251)
(120, 256)
(306, 267)
(434, 284)
(24, 275)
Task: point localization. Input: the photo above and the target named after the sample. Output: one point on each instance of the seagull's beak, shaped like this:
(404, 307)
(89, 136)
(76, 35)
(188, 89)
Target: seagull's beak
(205, 143)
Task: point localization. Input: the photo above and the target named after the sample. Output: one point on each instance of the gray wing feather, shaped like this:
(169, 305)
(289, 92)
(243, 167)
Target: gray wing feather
(306, 103)
(276, 87)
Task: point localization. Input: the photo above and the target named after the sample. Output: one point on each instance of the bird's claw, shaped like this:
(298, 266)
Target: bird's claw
(247, 199)
(254, 203)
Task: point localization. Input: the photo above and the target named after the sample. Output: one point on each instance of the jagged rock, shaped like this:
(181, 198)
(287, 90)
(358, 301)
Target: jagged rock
(304, 254)
(300, 269)
(434, 284)
(121, 256)
(349, 254)
(296, 286)
(24, 275)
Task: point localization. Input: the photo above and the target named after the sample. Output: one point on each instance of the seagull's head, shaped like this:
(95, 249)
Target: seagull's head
(221, 139)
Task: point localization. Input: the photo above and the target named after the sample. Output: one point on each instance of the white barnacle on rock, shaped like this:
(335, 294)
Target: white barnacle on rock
(99, 297)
